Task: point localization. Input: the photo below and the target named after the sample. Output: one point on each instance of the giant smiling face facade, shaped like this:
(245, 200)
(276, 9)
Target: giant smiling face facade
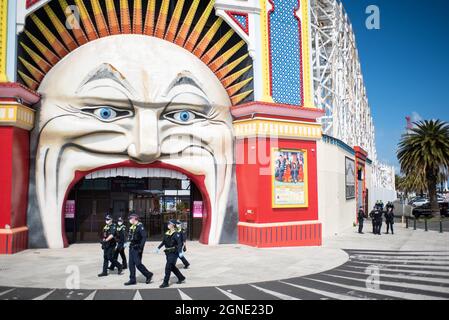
(130, 98)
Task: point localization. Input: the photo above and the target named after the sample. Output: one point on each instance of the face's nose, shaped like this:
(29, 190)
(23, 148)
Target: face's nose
(145, 146)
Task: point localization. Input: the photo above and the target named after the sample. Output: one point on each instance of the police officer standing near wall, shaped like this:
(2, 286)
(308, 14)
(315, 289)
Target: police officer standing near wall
(361, 218)
(108, 245)
(137, 237)
(173, 249)
(121, 239)
(183, 234)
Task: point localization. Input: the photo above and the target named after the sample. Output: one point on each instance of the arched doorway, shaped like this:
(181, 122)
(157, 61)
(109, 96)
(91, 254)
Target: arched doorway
(156, 194)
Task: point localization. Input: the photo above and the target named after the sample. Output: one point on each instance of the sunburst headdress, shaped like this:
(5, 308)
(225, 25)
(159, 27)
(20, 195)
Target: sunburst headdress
(47, 38)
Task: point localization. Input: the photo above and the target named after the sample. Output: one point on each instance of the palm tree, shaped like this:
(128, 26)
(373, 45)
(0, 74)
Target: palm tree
(424, 156)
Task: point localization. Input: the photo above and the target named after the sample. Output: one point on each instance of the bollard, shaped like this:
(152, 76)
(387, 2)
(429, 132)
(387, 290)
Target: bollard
(414, 223)
(406, 222)
(425, 224)
(441, 225)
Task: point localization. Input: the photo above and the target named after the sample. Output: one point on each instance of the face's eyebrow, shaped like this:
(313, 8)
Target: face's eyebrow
(185, 78)
(106, 72)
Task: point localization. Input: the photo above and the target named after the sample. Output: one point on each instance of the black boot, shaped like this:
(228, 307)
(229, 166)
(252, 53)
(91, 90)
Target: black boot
(148, 280)
(181, 280)
(130, 283)
(164, 285)
(120, 269)
(103, 274)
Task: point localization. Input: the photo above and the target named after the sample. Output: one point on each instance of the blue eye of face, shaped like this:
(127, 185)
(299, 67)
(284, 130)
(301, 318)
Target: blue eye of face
(184, 116)
(105, 113)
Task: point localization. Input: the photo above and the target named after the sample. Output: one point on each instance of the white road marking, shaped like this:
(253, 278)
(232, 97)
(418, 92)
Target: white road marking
(399, 276)
(229, 294)
(396, 294)
(184, 296)
(7, 291)
(91, 296)
(274, 293)
(398, 284)
(45, 295)
(137, 296)
(324, 293)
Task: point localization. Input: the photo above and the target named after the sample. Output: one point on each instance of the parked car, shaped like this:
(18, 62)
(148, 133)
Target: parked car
(419, 202)
(424, 210)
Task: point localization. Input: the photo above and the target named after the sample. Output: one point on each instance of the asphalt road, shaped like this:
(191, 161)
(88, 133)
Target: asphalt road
(369, 274)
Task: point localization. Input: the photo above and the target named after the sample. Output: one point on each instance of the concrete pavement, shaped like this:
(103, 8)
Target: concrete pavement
(211, 265)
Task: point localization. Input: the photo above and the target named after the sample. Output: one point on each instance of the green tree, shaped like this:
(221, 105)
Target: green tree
(424, 156)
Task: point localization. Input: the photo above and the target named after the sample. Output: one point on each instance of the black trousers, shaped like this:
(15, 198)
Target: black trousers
(184, 260)
(108, 257)
(360, 226)
(390, 226)
(135, 261)
(120, 251)
(170, 267)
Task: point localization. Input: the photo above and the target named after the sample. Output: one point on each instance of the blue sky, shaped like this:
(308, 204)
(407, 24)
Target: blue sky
(405, 64)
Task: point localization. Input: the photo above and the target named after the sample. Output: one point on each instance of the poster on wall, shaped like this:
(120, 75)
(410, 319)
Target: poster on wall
(350, 178)
(289, 178)
(69, 209)
(197, 209)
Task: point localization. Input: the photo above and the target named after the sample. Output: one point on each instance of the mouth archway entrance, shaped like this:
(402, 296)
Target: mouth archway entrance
(157, 193)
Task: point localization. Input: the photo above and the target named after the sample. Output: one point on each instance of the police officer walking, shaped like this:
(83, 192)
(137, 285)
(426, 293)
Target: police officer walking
(361, 218)
(108, 245)
(183, 234)
(121, 239)
(173, 249)
(137, 238)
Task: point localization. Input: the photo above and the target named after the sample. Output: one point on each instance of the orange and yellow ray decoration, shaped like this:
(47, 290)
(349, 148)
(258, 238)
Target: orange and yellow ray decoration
(175, 19)
(102, 26)
(137, 17)
(199, 32)
(80, 37)
(187, 24)
(114, 26)
(149, 19)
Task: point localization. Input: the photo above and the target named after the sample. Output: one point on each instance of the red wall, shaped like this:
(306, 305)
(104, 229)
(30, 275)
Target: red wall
(255, 191)
(14, 175)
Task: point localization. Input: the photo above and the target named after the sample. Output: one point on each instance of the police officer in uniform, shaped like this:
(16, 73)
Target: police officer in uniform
(373, 221)
(137, 237)
(121, 239)
(389, 217)
(108, 245)
(173, 249)
(378, 221)
(361, 218)
(183, 234)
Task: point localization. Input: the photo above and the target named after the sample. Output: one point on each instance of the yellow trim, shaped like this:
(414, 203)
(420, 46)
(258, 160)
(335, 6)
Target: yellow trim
(308, 101)
(306, 179)
(16, 115)
(3, 39)
(277, 128)
(266, 97)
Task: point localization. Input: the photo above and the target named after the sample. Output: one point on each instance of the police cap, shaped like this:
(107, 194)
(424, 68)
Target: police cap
(133, 216)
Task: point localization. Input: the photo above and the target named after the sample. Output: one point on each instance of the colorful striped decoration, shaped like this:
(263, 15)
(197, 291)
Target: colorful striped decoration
(215, 44)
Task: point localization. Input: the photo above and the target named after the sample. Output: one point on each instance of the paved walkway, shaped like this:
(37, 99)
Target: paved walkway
(407, 265)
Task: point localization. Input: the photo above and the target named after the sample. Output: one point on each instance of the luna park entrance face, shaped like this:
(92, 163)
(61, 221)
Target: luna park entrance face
(155, 200)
